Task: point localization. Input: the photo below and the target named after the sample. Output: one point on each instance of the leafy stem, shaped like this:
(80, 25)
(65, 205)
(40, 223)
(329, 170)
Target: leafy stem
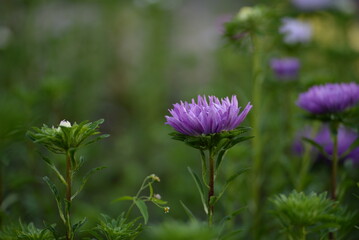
(69, 160)
(211, 187)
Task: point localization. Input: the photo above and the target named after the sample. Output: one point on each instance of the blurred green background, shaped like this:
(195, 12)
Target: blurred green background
(128, 62)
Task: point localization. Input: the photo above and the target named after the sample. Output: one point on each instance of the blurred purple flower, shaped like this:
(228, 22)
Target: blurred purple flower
(285, 68)
(346, 137)
(295, 31)
(205, 118)
(329, 98)
(309, 5)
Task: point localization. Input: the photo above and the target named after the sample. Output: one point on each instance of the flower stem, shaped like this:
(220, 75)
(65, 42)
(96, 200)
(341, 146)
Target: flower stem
(69, 233)
(211, 188)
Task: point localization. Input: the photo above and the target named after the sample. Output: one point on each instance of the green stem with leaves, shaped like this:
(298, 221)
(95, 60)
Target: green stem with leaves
(335, 161)
(69, 160)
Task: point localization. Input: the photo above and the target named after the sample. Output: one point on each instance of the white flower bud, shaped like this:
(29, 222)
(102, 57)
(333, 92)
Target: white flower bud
(65, 123)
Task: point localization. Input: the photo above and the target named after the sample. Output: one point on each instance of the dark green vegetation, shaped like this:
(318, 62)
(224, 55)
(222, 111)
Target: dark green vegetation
(127, 62)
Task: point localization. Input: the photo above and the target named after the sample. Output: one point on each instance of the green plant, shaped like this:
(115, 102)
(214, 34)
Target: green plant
(25, 232)
(300, 214)
(66, 139)
(116, 229)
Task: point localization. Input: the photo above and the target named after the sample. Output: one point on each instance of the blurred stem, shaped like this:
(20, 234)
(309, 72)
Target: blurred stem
(1, 189)
(258, 78)
(211, 187)
(334, 131)
(306, 162)
(334, 161)
(69, 232)
(304, 234)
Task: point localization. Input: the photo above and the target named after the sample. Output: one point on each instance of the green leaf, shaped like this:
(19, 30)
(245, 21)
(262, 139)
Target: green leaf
(237, 140)
(233, 214)
(53, 167)
(84, 180)
(318, 146)
(158, 201)
(124, 198)
(57, 197)
(204, 168)
(79, 224)
(220, 158)
(188, 212)
(200, 188)
(143, 208)
(229, 180)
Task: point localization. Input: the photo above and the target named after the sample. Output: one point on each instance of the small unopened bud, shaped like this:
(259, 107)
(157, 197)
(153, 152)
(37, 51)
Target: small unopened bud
(247, 13)
(157, 196)
(166, 209)
(65, 123)
(155, 178)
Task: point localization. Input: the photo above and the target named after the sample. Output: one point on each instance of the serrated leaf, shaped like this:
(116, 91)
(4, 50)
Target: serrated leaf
(143, 209)
(188, 212)
(200, 189)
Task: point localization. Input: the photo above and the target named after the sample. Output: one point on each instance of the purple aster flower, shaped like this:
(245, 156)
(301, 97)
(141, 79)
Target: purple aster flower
(206, 117)
(310, 5)
(346, 137)
(329, 98)
(285, 68)
(295, 31)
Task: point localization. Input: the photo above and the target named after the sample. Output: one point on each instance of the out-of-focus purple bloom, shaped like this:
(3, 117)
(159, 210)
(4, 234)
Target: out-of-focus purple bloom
(295, 31)
(206, 117)
(311, 5)
(285, 68)
(346, 137)
(329, 98)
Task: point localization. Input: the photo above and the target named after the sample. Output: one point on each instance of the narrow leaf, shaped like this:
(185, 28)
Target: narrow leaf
(54, 168)
(143, 209)
(200, 188)
(84, 180)
(318, 146)
(57, 197)
(188, 212)
(124, 198)
(79, 224)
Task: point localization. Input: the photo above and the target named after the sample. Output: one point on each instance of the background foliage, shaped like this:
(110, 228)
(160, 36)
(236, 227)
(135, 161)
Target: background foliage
(128, 62)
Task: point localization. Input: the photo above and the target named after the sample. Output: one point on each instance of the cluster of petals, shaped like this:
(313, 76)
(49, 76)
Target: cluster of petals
(207, 117)
(329, 98)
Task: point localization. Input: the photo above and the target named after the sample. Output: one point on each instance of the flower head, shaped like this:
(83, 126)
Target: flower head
(166, 209)
(329, 98)
(205, 117)
(285, 68)
(295, 31)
